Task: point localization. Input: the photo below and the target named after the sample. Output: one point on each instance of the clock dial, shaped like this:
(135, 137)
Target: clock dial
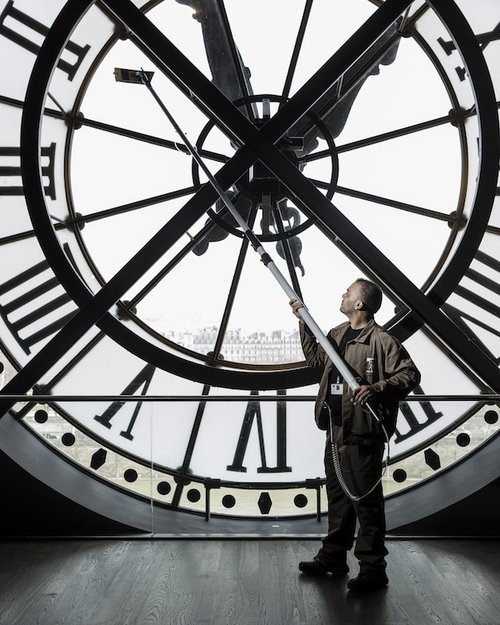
(373, 153)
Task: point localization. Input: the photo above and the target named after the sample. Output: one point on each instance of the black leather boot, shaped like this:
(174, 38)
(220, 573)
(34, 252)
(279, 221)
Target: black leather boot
(319, 567)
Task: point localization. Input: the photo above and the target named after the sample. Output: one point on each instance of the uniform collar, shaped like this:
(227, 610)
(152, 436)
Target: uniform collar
(364, 334)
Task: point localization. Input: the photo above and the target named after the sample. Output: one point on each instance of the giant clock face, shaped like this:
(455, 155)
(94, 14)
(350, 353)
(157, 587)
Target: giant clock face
(363, 141)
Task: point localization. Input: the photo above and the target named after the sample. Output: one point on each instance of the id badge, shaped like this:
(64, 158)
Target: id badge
(336, 389)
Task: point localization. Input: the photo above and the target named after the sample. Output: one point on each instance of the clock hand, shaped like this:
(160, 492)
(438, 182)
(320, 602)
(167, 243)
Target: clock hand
(229, 73)
(335, 105)
(205, 95)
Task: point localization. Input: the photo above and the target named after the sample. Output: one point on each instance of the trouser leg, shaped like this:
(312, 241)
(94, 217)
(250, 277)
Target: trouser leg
(341, 516)
(363, 466)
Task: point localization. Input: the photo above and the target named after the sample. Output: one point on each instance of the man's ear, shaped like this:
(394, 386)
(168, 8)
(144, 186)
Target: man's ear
(360, 305)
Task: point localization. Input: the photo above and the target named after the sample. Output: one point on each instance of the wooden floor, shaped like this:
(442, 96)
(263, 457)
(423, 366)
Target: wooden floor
(240, 582)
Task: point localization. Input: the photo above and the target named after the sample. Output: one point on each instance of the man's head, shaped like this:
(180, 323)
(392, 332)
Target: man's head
(363, 297)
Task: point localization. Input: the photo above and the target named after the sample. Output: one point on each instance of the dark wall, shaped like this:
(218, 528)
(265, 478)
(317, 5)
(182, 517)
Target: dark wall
(30, 508)
(476, 515)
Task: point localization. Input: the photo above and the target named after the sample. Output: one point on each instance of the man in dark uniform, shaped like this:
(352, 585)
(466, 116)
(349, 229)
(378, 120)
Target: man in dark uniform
(386, 375)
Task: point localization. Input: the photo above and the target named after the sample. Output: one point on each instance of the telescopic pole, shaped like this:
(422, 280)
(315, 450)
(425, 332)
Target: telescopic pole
(341, 366)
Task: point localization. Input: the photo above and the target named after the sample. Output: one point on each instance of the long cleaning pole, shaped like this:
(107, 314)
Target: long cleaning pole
(341, 366)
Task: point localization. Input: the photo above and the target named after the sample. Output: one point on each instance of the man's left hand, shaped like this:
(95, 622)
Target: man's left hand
(363, 394)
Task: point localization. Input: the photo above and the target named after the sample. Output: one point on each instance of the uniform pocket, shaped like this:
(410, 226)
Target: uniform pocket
(364, 425)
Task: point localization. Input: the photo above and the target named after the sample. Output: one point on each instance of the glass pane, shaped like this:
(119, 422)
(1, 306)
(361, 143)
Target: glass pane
(265, 33)
(243, 496)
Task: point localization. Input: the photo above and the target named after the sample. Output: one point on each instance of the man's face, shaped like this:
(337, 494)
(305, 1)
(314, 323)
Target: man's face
(351, 297)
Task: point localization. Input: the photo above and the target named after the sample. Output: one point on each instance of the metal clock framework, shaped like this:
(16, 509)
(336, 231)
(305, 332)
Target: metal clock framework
(112, 239)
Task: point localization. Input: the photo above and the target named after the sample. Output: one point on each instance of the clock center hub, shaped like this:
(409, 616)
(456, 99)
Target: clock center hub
(260, 182)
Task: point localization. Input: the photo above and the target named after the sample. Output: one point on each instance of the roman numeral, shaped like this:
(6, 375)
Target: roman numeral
(483, 293)
(27, 314)
(415, 419)
(484, 39)
(13, 22)
(142, 379)
(10, 168)
(253, 414)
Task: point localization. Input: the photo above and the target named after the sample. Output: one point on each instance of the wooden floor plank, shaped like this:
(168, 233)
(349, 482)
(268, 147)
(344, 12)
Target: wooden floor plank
(243, 582)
